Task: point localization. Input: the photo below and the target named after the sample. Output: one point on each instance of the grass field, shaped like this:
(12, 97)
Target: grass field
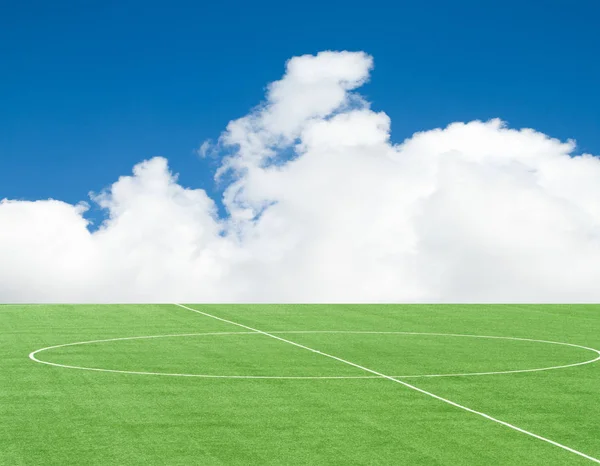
(326, 384)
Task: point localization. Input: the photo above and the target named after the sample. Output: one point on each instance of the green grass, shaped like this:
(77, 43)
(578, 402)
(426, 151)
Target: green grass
(59, 416)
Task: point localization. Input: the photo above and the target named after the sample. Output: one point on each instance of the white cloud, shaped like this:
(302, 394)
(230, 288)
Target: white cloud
(205, 149)
(472, 212)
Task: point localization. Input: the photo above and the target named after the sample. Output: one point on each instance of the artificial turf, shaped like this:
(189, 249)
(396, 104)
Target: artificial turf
(61, 416)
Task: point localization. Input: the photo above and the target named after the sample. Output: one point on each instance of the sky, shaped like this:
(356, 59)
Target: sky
(372, 125)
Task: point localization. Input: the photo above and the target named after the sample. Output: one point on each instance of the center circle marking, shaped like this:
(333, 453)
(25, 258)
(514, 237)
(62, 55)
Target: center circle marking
(33, 354)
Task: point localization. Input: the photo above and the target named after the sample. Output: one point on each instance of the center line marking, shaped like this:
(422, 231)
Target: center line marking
(412, 387)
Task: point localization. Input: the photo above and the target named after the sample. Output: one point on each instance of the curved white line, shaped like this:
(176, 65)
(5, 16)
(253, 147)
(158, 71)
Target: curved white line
(472, 336)
(405, 384)
(468, 374)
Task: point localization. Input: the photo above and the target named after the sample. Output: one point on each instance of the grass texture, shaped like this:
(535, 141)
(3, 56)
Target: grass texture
(53, 415)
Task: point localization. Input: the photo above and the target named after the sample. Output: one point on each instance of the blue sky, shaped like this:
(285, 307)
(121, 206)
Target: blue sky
(473, 213)
(88, 89)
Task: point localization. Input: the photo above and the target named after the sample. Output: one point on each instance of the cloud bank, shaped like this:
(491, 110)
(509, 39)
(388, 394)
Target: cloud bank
(322, 207)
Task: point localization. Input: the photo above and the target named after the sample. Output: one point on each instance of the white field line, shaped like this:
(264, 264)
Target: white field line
(468, 374)
(33, 356)
(412, 387)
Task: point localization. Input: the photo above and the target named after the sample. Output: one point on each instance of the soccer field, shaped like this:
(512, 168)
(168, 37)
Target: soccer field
(299, 384)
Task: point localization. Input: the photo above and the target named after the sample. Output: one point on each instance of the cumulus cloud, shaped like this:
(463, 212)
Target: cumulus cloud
(322, 207)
